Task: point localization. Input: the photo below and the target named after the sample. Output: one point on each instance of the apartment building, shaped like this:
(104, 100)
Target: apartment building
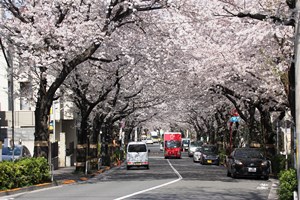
(17, 118)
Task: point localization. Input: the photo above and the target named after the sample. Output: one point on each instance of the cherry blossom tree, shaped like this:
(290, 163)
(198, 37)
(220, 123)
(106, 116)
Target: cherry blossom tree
(199, 57)
(240, 46)
(52, 38)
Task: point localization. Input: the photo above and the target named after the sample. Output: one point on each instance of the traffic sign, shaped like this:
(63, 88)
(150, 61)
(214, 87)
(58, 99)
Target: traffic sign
(234, 119)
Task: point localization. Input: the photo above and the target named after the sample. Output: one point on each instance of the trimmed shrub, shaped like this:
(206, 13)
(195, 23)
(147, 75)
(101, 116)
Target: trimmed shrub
(24, 172)
(287, 184)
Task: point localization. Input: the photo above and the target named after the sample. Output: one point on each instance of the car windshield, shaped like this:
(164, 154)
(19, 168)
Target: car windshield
(173, 144)
(8, 151)
(248, 153)
(185, 141)
(198, 149)
(195, 144)
(137, 148)
(209, 149)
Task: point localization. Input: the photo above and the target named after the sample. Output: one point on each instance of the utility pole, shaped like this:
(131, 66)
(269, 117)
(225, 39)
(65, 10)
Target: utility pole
(135, 134)
(8, 60)
(297, 88)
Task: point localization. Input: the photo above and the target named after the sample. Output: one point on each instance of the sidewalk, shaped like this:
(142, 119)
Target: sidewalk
(61, 176)
(67, 175)
(273, 191)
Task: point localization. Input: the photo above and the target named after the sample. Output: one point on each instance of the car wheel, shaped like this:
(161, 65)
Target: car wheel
(147, 167)
(128, 167)
(233, 174)
(266, 178)
(228, 173)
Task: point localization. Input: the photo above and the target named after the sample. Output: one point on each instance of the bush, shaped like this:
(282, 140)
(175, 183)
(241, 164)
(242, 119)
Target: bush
(278, 164)
(24, 172)
(287, 184)
(222, 156)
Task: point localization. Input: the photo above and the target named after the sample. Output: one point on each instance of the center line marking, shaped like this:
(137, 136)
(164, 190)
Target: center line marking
(155, 187)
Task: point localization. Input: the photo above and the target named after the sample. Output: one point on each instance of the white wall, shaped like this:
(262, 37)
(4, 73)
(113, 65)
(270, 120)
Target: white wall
(3, 83)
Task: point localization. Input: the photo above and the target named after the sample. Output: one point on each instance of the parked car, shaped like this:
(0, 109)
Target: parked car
(248, 162)
(193, 146)
(209, 155)
(20, 151)
(197, 154)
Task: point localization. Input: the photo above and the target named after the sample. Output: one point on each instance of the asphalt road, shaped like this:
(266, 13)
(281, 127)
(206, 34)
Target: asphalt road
(166, 179)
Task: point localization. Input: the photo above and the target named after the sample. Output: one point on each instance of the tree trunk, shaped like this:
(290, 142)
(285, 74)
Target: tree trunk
(104, 147)
(82, 146)
(42, 111)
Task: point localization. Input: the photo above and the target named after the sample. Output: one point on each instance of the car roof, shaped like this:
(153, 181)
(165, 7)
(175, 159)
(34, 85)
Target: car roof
(136, 143)
(209, 145)
(16, 145)
(247, 149)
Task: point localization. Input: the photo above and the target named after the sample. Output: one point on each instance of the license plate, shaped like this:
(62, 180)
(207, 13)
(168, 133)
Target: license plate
(137, 163)
(251, 169)
(209, 161)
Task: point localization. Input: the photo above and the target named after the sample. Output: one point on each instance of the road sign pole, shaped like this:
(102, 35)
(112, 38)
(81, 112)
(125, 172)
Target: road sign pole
(230, 130)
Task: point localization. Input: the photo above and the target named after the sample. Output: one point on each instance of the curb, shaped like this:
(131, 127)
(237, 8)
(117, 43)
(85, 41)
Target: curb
(273, 191)
(25, 189)
(55, 183)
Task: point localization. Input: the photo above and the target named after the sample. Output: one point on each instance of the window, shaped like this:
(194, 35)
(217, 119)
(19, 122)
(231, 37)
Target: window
(137, 148)
(25, 92)
(8, 151)
(173, 144)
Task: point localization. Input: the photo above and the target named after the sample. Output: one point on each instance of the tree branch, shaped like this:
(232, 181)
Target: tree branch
(261, 17)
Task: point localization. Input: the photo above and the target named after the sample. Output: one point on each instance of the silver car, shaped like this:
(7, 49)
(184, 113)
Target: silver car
(193, 146)
(19, 151)
(197, 154)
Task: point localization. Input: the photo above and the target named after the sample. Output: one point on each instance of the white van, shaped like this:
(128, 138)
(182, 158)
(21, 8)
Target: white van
(137, 155)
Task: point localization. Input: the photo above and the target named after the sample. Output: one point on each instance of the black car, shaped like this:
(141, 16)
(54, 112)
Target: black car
(248, 162)
(209, 155)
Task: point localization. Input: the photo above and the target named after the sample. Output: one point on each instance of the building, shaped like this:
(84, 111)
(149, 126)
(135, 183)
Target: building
(17, 120)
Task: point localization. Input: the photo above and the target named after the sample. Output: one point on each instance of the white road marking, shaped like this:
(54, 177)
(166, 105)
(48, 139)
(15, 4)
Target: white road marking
(155, 187)
(263, 186)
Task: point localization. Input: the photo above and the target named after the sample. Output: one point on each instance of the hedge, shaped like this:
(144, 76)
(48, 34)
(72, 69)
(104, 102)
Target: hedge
(24, 172)
(287, 184)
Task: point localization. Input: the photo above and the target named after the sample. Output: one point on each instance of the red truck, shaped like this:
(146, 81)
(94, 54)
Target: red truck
(172, 145)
